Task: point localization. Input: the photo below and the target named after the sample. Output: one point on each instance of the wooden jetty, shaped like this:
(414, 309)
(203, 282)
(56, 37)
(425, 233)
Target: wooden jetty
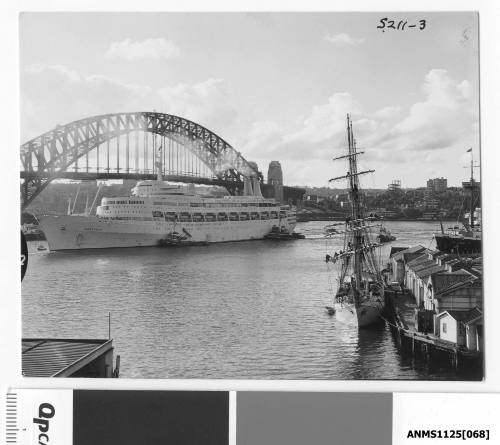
(400, 309)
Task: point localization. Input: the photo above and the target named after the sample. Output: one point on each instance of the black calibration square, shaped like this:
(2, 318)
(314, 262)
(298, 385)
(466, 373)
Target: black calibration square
(150, 417)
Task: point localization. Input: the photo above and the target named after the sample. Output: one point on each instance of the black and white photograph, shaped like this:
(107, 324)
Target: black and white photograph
(263, 196)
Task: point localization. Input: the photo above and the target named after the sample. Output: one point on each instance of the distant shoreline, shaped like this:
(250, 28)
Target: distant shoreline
(325, 217)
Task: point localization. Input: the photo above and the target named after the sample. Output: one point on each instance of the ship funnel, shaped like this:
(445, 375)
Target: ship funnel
(256, 187)
(247, 186)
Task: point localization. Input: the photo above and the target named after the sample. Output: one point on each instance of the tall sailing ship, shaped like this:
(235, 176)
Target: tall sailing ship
(359, 297)
(162, 213)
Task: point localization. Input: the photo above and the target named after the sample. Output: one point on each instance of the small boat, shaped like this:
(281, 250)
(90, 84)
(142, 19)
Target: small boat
(282, 234)
(40, 247)
(172, 239)
(385, 236)
(330, 310)
(330, 229)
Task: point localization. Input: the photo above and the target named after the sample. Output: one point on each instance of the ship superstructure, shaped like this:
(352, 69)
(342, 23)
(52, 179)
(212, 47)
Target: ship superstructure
(157, 210)
(359, 298)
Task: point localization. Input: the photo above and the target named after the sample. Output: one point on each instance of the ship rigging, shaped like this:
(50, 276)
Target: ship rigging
(359, 297)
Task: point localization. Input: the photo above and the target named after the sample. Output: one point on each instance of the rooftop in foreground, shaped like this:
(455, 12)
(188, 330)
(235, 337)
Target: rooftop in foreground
(44, 357)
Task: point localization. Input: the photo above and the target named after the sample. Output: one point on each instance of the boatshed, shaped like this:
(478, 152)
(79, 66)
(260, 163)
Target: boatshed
(461, 327)
(44, 357)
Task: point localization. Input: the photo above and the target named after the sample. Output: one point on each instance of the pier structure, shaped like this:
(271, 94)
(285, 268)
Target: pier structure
(126, 146)
(434, 306)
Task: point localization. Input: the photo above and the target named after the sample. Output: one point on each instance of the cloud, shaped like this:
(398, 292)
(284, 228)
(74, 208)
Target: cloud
(343, 39)
(425, 133)
(387, 112)
(207, 103)
(432, 130)
(446, 115)
(55, 94)
(154, 49)
(320, 133)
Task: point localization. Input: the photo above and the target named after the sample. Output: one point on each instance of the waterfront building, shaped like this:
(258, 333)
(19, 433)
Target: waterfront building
(464, 328)
(50, 357)
(447, 290)
(417, 272)
(457, 288)
(383, 212)
(441, 281)
(399, 259)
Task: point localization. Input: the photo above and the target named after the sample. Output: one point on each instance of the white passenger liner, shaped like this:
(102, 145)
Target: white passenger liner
(157, 209)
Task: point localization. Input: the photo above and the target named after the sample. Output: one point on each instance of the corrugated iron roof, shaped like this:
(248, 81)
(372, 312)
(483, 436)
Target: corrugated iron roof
(406, 253)
(395, 250)
(49, 357)
(465, 317)
(430, 270)
(421, 258)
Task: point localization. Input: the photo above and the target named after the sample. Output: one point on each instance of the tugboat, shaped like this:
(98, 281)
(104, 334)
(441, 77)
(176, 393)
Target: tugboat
(385, 236)
(465, 239)
(282, 233)
(359, 298)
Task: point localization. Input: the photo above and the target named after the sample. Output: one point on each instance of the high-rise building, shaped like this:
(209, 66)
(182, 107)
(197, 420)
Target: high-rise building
(275, 174)
(437, 185)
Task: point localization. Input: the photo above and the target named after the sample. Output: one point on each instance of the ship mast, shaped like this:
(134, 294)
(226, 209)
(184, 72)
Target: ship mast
(472, 186)
(356, 205)
(356, 225)
(471, 190)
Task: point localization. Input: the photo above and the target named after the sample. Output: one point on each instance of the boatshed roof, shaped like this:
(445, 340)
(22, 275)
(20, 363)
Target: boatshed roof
(395, 250)
(42, 357)
(408, 254)
(465, 317)
(429, 270)
(421, 264)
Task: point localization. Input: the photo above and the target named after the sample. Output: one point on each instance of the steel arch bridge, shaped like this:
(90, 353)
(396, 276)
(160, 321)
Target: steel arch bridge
(124, 145)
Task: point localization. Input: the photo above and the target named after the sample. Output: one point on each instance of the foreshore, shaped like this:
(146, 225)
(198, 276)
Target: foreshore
(329, 217)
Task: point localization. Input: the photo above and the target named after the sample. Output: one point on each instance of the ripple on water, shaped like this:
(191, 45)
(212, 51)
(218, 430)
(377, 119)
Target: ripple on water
(236, 310)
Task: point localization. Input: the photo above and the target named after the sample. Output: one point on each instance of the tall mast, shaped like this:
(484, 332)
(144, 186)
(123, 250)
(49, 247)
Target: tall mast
(355, 227)
(471, 189)
(356, 211)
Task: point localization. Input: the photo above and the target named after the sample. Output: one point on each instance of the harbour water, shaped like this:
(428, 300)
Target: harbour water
(252, 310)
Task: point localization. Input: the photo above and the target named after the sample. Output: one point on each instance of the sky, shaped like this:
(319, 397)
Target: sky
(276, 86)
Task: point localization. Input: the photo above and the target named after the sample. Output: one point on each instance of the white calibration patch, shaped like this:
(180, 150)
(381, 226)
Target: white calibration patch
(39, 417)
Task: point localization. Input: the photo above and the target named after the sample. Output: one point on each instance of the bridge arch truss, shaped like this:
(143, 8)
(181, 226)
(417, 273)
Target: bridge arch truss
(124, 145)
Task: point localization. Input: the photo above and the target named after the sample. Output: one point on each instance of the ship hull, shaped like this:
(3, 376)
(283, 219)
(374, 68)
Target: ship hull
(457, 244)
(89, 232)
(361, 315)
